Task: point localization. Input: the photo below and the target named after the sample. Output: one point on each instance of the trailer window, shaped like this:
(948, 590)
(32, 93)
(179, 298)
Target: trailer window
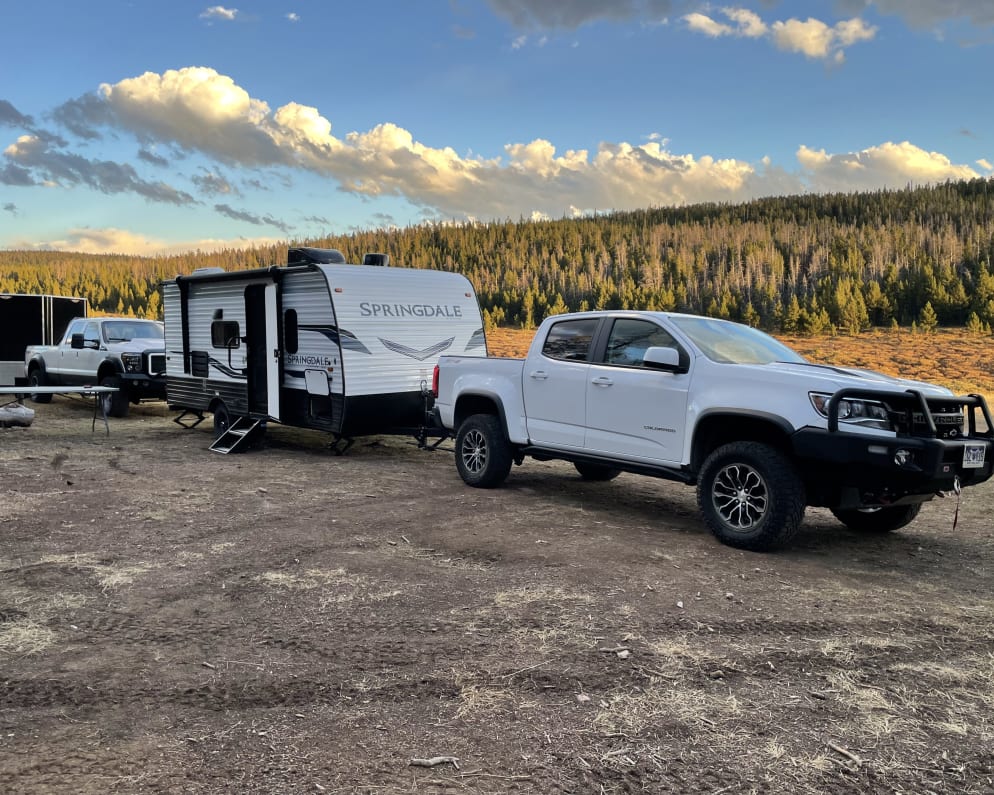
(225, 334)
(290, 338)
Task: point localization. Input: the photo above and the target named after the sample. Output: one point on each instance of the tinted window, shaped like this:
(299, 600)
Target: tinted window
(570, 339)
(290, 337)
(631, 338)
(224, 334)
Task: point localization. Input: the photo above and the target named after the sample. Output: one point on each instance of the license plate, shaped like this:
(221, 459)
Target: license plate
(973, 456)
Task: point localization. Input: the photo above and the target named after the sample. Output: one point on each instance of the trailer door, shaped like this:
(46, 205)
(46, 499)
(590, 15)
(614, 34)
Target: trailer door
(262, 345)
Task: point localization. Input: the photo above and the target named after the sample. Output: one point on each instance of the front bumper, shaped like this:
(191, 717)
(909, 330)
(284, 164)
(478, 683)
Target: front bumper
(896, 465)
(142, 386)
(847, 468)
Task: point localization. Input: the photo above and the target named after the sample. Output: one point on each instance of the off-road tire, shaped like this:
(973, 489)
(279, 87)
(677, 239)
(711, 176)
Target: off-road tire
(222, 420)
(596, 472)
(38, 378)
(483, 454)
(880, 520)
(750, 496)
(115, 404)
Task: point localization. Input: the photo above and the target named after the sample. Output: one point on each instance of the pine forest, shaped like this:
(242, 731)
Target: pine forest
(811, 264)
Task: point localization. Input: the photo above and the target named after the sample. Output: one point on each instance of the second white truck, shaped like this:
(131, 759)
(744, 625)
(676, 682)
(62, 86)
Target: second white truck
(759, 430)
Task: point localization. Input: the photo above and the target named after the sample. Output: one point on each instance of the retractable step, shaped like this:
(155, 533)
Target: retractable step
(238, 437)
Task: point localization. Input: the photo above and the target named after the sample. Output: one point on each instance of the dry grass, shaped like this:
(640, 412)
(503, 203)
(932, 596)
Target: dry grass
(951, 357)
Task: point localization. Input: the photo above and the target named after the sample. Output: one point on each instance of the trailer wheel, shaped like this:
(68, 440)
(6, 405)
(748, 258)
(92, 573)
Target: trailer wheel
(878, 520)
(483, 454)
(222, 420)
(750, 495)
(37, 378)
(596, 472)
(114, 404)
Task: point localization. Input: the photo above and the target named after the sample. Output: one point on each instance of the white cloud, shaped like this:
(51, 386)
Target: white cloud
(519, 42)
(886, 165)
(985, 164)
(293, 17)
(812, 37)
(202, 111)
(219, 12)
(701, 23)
(748, 22)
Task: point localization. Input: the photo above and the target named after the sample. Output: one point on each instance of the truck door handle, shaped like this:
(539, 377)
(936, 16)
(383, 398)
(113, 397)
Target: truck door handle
(602, 381)
(538, 375)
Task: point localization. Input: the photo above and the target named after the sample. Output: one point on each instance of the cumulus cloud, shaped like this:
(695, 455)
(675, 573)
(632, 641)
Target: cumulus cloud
(219, 12)
(10, 207)
(205, 113)
(812, 37)
(293, 17)
(887, 165)
(985, 164)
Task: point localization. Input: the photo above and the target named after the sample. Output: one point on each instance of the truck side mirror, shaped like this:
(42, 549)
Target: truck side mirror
(76, 342)
(665, 359)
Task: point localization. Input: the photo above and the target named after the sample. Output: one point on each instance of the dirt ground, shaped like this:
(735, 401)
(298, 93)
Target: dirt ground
(291, 621)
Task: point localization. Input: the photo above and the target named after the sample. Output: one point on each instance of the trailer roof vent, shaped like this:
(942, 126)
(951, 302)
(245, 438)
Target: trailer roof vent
(376, 259)
(314, 256)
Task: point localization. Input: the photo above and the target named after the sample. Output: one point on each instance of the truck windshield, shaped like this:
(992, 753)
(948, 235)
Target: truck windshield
(127, 330)
(732, 343)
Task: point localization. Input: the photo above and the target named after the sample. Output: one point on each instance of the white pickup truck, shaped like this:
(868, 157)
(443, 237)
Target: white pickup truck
(123, 352)
(761, 431)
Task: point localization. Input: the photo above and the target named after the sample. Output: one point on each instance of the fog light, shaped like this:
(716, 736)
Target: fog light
(903, 457)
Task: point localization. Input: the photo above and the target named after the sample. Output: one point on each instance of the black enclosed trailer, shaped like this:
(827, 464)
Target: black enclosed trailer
(31, 320)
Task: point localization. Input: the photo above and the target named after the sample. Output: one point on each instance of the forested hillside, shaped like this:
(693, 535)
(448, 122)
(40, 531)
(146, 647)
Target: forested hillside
(798, 264)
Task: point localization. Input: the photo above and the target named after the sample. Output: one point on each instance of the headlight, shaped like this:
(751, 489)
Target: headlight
(867, 413)
(132, 362)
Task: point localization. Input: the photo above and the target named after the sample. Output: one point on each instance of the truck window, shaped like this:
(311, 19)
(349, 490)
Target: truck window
(76, 327)
(91, 336)
(630, 339)
(570, 339)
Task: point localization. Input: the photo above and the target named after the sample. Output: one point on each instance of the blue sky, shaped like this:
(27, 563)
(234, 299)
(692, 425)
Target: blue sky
(157, 127)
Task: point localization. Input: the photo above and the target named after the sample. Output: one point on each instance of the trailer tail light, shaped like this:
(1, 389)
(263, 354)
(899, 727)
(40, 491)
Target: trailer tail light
(434, 381)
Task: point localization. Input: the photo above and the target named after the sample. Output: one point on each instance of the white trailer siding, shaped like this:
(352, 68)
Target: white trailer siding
(394, 323)
(356, 345)
(206, 372)
(308, 294)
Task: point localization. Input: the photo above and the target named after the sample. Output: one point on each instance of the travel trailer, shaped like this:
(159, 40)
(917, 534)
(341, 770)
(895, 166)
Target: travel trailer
(318, 343)
(31, 320)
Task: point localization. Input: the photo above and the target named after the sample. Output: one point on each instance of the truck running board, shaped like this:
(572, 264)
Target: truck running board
(238, 436)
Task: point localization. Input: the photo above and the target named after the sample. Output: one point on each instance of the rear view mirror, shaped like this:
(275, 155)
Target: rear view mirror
(666, 359)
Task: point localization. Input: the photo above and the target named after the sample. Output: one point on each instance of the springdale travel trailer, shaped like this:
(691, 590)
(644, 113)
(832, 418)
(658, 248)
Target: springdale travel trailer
(31, 320)
(347, 349)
